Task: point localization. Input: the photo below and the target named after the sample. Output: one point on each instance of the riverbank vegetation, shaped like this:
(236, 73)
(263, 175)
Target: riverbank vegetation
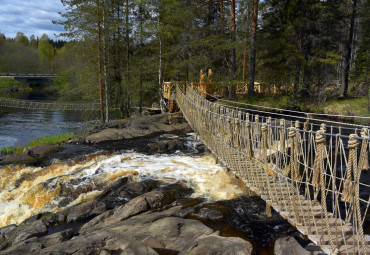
(10, 85)
(121, 52)
(47, 140)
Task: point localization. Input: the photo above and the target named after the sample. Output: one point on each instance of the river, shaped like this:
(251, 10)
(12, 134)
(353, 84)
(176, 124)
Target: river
(19, 126)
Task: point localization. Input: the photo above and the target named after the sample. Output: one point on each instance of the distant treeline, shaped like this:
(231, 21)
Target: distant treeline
(28, 55)
(120, 52)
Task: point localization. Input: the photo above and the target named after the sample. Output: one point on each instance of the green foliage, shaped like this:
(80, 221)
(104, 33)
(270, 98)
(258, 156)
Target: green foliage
(10, 83)
(47, 52)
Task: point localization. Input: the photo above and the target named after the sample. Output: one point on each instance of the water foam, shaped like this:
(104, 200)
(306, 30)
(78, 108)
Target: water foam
(30, 190)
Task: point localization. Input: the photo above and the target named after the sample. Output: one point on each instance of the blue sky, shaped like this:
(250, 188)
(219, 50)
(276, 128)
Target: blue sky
(30, 17)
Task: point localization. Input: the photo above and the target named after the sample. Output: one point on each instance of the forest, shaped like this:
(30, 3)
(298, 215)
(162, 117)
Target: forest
(120, 52)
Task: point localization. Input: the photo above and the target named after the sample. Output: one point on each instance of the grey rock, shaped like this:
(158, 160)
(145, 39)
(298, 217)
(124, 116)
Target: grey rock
(183, 212)
(288, 245)
(22, 158)
(217, 245)
(41, 150)
(26, 231)
(209, 214)
(58, 237)
(30, 246)
(7, 229)
(83, 211)
(138, 248)
(166, 146)
(138, 127)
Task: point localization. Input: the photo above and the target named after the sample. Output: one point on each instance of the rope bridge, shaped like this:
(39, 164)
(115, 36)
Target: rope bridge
(315, 178)
(49, 106)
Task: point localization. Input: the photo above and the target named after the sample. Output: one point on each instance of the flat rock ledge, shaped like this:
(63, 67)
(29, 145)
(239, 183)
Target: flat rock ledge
(144, 220)
(31, 155)
(135, 127)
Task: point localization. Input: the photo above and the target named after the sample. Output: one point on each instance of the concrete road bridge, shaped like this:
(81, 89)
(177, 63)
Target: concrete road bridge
(314, 175)
(28, 78)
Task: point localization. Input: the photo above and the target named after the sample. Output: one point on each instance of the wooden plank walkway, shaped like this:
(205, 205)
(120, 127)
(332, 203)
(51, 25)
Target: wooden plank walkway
(291, 198)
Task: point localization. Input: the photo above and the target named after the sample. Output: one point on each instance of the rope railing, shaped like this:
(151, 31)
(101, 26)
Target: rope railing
(49, 106)
(317, 179)
(308, 116)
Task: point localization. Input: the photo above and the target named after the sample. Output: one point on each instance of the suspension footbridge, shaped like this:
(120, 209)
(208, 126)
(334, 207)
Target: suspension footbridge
(49, 105)
(315, 175)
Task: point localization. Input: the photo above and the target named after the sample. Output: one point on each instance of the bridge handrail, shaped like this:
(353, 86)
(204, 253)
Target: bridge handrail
(276, 110)
(49, 105)
(298, 164)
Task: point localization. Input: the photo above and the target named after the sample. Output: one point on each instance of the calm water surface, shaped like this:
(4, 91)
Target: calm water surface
(20, 126)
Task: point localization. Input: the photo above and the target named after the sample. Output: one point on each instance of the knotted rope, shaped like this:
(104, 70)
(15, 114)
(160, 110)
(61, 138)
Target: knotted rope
(268, 208)
(299, 139)
(248, 136)
(294, 170)
(269, 132)
(305, 125)
(282, 135)
(229, 131)
(237, 142)
(318, 165)
(347, 195)
(363, 163)
(264, 142)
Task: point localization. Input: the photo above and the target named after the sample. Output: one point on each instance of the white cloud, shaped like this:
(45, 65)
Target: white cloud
(30, 17)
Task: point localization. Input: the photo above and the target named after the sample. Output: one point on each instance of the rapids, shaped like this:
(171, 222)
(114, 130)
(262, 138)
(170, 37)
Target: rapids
(26, 191)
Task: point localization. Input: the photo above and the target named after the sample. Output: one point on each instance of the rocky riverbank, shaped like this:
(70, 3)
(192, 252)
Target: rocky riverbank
(151, 218)
(146, 216)
(134, 133)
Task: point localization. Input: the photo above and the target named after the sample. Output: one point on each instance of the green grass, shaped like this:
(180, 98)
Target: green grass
(49, 140)
(277, 101)
(46, 140)
(352, 106)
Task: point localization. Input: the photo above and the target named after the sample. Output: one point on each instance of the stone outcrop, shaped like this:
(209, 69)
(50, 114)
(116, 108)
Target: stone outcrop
(146, 218)
(31, 155)
(136, 127)
(288, 245)
(147, 223)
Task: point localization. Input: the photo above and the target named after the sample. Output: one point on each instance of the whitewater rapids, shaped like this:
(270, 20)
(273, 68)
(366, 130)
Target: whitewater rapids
(26, 191)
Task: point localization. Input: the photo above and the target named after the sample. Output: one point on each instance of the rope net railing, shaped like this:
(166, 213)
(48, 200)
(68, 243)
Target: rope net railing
(49, 106)
(315, 178)
(292, 114)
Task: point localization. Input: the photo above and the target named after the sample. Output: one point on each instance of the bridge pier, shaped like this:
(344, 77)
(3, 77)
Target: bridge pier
(22, 80)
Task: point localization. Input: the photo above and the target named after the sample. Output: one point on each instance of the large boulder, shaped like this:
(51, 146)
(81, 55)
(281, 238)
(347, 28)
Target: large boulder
(28, 230)
(138, 127)
(40, 151)
(218, 245)
(288, 245)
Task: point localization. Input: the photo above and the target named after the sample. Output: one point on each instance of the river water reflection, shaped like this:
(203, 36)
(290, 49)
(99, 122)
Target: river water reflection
(19, 126)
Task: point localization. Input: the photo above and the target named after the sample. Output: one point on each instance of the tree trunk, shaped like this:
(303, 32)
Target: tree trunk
(222, 17)
(105, 70)
(246, 44)
(232, 91)
(128, 89)
(224, 55)
(252, 67)
(296, 82)
(160, 88)
(100, 63)
(347, 60)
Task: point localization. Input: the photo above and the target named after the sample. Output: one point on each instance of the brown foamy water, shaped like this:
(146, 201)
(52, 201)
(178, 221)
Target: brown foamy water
(26, 191)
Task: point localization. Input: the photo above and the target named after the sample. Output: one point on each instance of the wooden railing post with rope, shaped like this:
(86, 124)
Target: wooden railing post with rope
(311, 175)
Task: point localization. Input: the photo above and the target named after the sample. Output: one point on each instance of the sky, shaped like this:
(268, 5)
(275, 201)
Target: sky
(30, 17)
